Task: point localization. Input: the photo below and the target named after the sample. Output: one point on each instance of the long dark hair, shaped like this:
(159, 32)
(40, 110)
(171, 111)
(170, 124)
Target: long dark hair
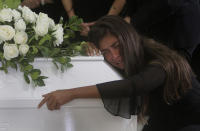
(138, 52)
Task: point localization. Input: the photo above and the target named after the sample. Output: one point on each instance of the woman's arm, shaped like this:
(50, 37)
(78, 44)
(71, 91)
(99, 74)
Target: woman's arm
(150, 78)
(147, 80)
(57, 98)
(68, 5)
(117, 7)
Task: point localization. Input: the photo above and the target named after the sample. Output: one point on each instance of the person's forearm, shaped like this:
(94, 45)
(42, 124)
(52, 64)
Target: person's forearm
(117, 7)
(85, 92)
(47, 1)
(68, 5)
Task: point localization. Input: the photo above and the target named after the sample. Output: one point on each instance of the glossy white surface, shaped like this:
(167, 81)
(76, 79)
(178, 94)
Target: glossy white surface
(18, 100)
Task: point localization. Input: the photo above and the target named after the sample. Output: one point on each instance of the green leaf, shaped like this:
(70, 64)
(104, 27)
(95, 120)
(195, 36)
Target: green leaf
(1, 56)
(35, 50)
(36, 70)
(39, 82)
(47, 37)
(69, 65)
(62, 60)
(12, 64)
(21, 59)
(1, 4)
(45, 51)
(42, 77)
(78, 48)
(54, 62)
(11, 3)
(79, 21)
(66, 36)
(75, 28)
(26, 78)
(69, 34)
(62, 68)
(54, 52)
(28, 68)
(72, 19)
(30, 40)
(35, 75)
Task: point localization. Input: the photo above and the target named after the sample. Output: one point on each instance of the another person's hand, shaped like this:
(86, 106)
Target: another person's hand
(128, 19)
(86, 28)
(31, 3)
(92, 50)
(56, 98)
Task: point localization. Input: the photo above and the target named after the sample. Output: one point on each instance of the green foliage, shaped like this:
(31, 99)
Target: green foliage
(10, 3)
(43, 47)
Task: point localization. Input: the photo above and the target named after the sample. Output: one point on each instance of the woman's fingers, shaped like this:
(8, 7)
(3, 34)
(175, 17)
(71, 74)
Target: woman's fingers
(51, 103)
(55, 99)
(92, 50)
(95, 49)
(43, 101)
(89, 50)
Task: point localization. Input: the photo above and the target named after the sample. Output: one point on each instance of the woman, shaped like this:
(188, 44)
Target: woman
(158, 82)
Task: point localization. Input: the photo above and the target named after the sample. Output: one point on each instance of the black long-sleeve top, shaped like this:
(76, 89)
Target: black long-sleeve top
(120, 98)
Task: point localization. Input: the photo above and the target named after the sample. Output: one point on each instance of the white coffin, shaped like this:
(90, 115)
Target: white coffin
(18, 100)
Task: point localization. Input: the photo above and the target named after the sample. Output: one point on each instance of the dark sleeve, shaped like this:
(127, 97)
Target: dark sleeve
(117, 96)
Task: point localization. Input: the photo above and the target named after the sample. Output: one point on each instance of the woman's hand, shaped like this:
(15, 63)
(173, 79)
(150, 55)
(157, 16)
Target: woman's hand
(92, 50)
(56, 98)
(128, 19)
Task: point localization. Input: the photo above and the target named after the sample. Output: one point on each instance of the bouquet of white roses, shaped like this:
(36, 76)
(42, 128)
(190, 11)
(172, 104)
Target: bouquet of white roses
(25, 35)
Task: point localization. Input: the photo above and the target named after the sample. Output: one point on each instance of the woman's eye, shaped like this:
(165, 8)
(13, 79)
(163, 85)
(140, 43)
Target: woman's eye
(105, 53)
(116, 46)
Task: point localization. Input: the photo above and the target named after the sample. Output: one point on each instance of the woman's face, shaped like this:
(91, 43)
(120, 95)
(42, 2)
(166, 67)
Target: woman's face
(110, 49)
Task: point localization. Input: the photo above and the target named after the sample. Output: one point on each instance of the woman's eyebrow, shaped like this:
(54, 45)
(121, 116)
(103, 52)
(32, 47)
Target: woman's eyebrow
(115, 43)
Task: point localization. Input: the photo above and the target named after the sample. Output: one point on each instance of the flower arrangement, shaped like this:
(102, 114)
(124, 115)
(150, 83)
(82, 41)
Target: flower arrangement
(25, 35)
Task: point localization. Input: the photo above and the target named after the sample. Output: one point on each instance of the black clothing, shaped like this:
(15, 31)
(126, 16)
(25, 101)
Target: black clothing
(176, 23)
(88, 10)
(118, 99)
(91, 10)
(54, 10)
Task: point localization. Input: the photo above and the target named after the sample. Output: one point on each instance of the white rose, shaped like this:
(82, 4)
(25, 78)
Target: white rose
(10, 51)
(20, 25)
(6, 15)
(20, 37)
(36, 15)
(6, 32)
(20, 7)
(51, 24)
(28, 15)
(58, 34)
(42, 24)
(41, 30)
(42, 18)
(23, 49)
(16, 14)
